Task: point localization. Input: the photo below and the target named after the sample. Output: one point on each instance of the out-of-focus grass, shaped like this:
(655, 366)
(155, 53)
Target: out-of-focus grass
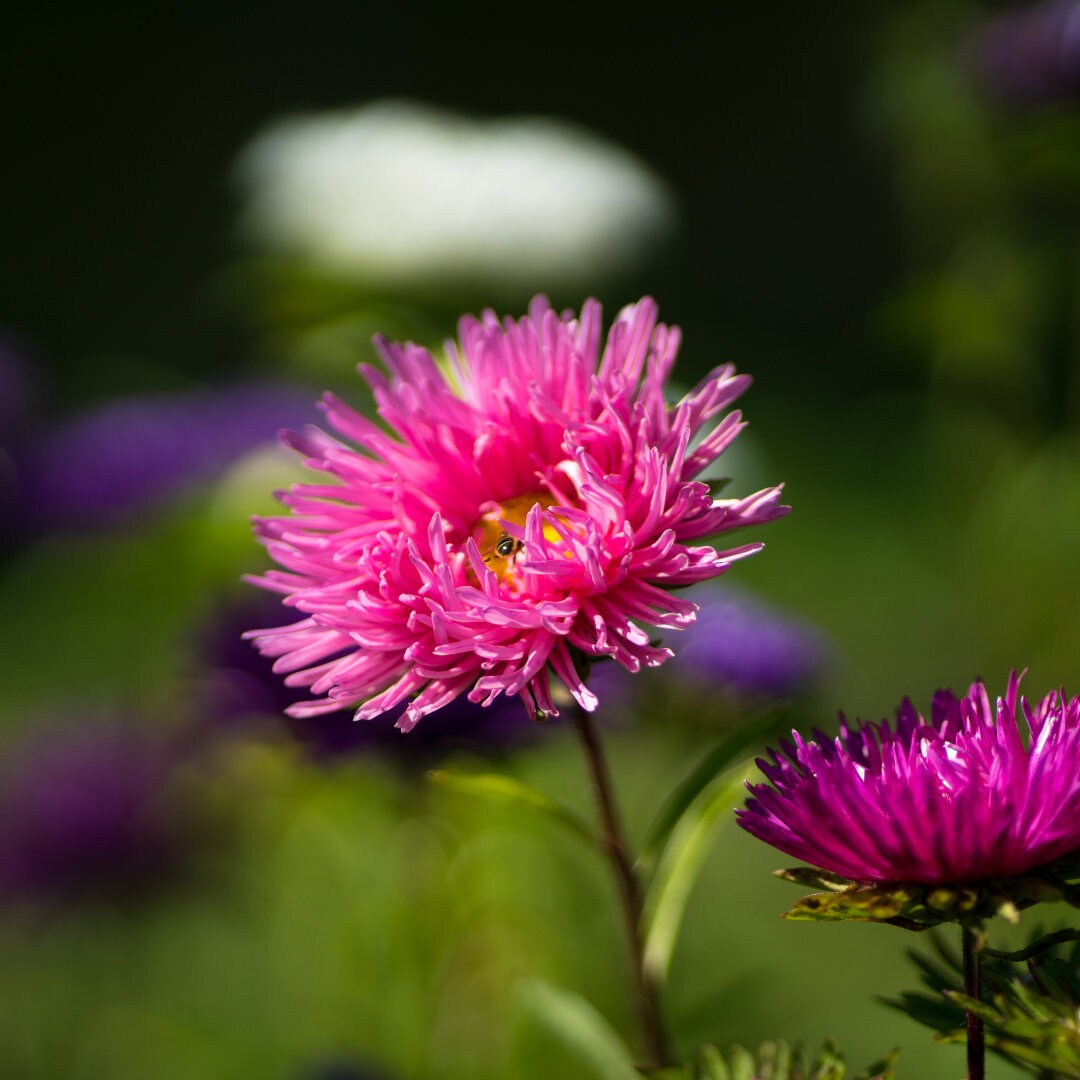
(357, 913)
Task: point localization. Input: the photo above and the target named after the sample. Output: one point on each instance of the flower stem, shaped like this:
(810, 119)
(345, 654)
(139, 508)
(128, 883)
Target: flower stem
(614, 843)
(976, 1049)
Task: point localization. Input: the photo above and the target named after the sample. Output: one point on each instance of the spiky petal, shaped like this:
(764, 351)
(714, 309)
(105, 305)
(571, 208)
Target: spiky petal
(535, 432)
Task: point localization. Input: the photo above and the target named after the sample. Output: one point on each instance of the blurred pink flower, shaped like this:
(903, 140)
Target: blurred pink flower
(533, 500)
(980, 791)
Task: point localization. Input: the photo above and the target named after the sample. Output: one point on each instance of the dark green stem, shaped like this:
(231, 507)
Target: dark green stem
(614, 843)
(976, 1047)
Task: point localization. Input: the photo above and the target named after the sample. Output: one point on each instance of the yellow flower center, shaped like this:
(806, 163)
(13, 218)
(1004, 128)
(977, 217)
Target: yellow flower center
(498, 548)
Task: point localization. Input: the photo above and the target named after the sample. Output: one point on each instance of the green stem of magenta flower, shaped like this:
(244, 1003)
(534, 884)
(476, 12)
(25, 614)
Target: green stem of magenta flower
(976, 1046)
(614, 844)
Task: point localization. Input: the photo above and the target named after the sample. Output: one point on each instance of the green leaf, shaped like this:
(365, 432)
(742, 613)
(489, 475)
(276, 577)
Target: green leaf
(680, 864)
(509, 791)
(569, 1020)
(1063, 977)
(731, 749)
(1022, 1052)
(919, 907)
(828, 1065)
(985, 1012)
(742, 1063)
(956, 1037)
(712, 1065)
(931, 1012)
(1028, 1005)
(882, 1069)
(774, 1061)
(778, 1060)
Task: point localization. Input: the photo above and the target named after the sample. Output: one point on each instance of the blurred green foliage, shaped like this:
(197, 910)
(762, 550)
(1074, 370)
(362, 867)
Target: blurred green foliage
(1028, 1005)
(354, 910)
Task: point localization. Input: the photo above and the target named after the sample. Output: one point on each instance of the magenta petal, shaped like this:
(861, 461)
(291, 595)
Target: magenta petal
(982, 790)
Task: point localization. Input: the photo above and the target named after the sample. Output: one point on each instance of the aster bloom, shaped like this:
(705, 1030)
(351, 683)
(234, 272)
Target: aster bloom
(978, 792)
(532, 501)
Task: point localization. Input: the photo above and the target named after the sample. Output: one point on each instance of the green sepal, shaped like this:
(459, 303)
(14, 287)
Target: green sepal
(918, 907)
(811, 877)
(903, 906)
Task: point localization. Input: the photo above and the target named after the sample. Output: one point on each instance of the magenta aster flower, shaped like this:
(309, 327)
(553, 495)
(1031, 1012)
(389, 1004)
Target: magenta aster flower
(979, 791)
(533, 499)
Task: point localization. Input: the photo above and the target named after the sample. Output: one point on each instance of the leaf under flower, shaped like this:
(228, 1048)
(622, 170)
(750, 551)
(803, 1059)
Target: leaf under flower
(919, 907)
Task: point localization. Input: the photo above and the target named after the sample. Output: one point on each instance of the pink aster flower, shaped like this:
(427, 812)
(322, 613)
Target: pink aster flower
(534, 498)
(979, 791)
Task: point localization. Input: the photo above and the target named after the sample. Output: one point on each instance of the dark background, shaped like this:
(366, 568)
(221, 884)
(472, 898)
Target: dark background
(121, 126)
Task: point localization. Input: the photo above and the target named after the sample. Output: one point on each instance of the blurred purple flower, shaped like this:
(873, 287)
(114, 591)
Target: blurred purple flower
(83, 811)
(1030, 55)
(239, 686)
(745, 647)
(981, 791)
(110, 463)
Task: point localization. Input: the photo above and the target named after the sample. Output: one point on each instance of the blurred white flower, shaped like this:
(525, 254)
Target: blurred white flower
(407, 194)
